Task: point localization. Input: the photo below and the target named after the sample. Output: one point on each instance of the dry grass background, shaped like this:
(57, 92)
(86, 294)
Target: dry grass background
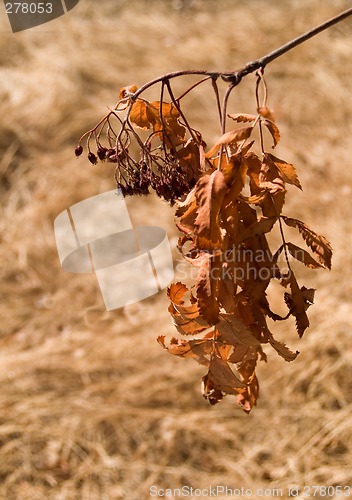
(90, 406)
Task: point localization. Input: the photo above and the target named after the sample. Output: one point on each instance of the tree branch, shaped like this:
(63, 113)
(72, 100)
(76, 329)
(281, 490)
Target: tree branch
(236, 76)
(261, 63)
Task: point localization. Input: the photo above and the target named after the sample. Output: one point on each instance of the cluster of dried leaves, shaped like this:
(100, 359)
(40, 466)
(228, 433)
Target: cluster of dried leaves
(228, 199)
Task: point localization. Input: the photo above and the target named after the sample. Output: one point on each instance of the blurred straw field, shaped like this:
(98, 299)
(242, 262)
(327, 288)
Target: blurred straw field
(90, 406)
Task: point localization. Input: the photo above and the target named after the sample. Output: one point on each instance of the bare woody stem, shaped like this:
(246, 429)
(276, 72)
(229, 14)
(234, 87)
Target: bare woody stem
(275, 54)
(235, 77)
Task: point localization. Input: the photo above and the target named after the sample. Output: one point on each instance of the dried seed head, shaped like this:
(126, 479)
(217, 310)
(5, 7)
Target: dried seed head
(92, 158)
(78, 150)
(102, 152)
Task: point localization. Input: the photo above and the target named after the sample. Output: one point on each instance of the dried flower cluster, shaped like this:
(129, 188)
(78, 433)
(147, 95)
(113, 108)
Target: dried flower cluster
(167, 160)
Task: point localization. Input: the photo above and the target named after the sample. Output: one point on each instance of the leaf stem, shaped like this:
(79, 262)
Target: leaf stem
(217, 95)
(284, 244)
(177, 106)
(194, 86)
(260, 80)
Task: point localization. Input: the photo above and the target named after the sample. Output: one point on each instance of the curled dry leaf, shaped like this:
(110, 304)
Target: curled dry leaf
(270, 177)
(161, 117)
(222, 377)
(248, 398)
(139, 116)
(187, 212)
(126, 92)
(238, 135)
(187, 319)
(287, 171)
(242, 117)
(297, 305)
(302, 255)
(265, 112)
(196, 349)
(233, 331)
(254, 166)
(209, 193)
(273, 129)
(318, 244)
(207, 287)
(282, 349)
(125, 96)
(262, 226)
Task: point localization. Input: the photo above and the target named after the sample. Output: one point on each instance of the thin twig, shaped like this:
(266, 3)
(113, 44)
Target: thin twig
(217, 95)
(223, 117)
(236, 76)
(177, 106)
(224, 106)
(284, 244)
(193, 87)
(260, 80)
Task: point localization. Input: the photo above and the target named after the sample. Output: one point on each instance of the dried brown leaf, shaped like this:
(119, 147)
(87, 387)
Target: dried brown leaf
(227, 288)
(209, 392)
(234, 331)
(238, 178)
(282, 349)
(298, 305)
(209, 192)
(168, 112)
(287, 171)
(318, 244)
(308, 295)
(126, 91)
(242, 117)
(272, 204)
(222, 377)
(188, 157)
(248, 398)
(229, 167)
(269, 177)
(165, 123)
(176, 293)
(186, 319)
(224, 350)
(139, 116)
(254, 166)
(230, 137)
(207, 287)
(239, 352)
(265, 112)
(256, 199)
(264, 225)
(196, 349)
(273, 129)
(302, 255)
(187, 211)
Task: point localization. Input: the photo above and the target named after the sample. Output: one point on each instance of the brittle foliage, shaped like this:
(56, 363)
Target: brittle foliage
(228, 199)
